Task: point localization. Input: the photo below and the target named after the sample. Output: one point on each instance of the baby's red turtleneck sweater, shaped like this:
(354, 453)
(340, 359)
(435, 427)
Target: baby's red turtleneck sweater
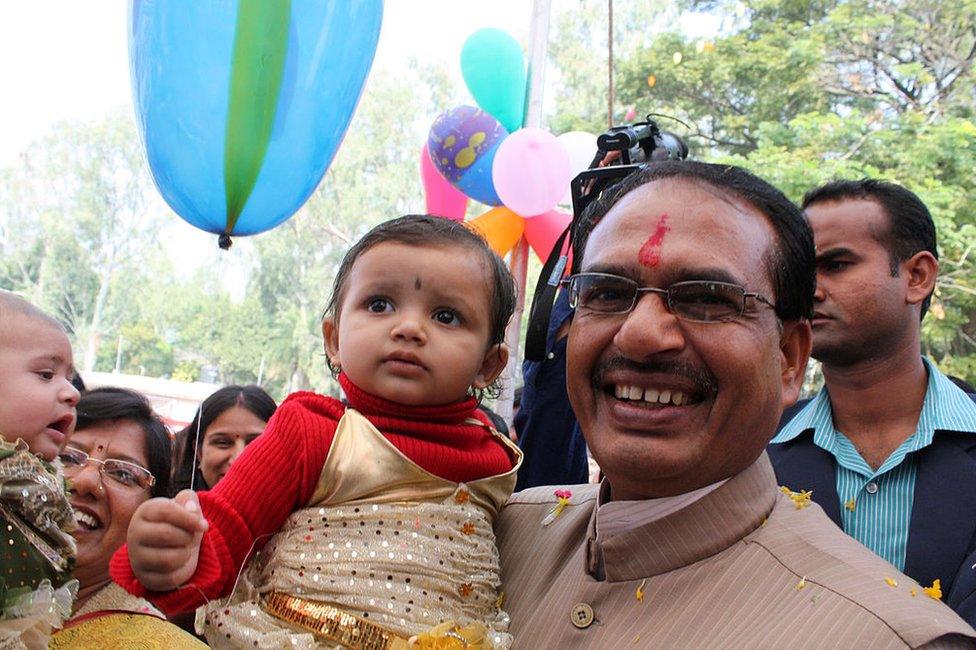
(278, 472)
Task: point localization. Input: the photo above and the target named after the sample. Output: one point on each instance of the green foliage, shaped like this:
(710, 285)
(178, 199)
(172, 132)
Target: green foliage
(804, 91)
(800, 91)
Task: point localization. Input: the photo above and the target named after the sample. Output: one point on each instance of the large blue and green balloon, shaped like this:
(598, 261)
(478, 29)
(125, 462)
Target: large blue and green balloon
(242, 104)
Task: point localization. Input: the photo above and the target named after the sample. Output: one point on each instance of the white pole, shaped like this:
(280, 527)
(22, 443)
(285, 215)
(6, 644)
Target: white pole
(538, 48)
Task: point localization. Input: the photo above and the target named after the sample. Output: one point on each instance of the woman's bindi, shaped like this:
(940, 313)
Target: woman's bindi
(417, 284)
(650, 253)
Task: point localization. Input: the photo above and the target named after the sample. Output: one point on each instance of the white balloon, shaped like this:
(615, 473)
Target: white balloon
(581, 147)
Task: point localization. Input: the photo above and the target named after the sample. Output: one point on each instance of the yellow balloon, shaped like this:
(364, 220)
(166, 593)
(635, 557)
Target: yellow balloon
(651, 80)
(500, 227)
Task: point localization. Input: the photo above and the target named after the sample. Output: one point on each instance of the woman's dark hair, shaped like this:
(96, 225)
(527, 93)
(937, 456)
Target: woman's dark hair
(110, 403)
(426, 230)
(252, 398)
(791, 262)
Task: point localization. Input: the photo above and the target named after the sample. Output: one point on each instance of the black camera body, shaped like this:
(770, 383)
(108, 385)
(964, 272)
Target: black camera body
(635, 145)
(642, 142)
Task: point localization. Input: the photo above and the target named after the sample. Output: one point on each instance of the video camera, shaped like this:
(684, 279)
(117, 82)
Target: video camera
(620, 152)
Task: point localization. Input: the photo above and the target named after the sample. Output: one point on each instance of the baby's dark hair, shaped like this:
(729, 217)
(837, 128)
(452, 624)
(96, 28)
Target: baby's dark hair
(426, 230)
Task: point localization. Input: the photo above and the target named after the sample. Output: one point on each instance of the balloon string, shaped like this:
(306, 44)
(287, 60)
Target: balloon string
(196, 436)
(610, 64)
(196, 446)
(233, 591)
(244, 564)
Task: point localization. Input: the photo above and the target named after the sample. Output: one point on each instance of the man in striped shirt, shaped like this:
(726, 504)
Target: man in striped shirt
(888, 447)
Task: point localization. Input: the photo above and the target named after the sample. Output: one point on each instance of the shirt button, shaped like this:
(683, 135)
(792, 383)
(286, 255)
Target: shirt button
(871, 487)
(582, 615)
(551, 355)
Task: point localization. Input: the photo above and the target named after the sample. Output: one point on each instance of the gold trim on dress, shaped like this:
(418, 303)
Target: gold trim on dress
(331, 623)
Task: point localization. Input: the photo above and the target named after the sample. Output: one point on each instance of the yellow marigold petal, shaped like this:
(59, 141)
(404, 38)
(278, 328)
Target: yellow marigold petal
(850, 504)
(802, 583)
(640, 591)
(935, 591)
(800, 499)
(891, 582)
(914, 592)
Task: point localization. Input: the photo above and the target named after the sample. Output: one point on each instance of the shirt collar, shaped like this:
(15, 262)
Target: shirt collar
(946, 407)
(615, 517)
(815, 415)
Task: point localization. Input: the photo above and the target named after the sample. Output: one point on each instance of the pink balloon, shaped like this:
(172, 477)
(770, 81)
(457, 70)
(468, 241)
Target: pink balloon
(443, 200)
(531, 171)
(543, 230)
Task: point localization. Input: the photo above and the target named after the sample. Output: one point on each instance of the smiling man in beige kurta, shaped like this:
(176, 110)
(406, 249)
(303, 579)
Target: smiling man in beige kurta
(690, 335)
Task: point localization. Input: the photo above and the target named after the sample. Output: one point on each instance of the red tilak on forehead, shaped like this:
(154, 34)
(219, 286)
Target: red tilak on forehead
(650, 252)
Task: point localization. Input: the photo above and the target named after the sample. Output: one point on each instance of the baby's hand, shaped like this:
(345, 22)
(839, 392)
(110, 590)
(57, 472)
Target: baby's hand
(164, 541)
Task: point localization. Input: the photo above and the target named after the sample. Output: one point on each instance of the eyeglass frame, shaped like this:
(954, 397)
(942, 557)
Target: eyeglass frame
(101, 468)
(667, 295)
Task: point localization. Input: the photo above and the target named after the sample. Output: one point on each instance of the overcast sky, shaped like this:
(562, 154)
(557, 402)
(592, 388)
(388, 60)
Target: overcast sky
(68, 59)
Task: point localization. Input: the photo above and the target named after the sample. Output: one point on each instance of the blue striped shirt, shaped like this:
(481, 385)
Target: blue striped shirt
(876, 505)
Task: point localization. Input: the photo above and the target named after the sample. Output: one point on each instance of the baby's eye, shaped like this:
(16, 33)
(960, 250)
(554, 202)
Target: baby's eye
(447, 317)
(379, 305)
(46, 375)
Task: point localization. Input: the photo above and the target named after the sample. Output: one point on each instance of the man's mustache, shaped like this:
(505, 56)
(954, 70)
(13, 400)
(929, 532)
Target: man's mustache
(703, 380)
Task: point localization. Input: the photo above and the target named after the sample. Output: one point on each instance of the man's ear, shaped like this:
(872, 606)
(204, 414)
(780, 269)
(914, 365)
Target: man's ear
(494, 363)
(921, 269)
(794, 346)
(330, 334)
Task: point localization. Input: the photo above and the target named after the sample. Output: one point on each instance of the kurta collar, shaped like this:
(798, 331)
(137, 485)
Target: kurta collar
(706, 527)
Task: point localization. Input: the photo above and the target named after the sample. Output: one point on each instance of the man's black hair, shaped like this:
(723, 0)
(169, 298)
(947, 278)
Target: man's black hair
(791, 262)
(425, 230)
(910, 226)
(110, 403)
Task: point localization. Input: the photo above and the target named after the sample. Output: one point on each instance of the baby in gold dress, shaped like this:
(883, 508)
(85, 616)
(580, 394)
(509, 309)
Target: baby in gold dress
(380, 509)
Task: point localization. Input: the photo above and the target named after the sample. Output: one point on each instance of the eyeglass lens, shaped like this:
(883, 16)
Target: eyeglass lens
(701, 301)
(121, 472)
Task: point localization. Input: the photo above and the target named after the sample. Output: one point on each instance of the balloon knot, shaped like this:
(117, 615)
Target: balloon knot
(224, 241)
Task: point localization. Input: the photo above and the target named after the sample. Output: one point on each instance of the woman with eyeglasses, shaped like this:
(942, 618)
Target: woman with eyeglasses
(117, 458)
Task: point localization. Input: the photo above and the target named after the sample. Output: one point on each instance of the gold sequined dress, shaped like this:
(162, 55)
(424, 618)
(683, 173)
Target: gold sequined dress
(382, 545)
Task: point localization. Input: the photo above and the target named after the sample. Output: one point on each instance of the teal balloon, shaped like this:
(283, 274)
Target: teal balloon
(493, 68)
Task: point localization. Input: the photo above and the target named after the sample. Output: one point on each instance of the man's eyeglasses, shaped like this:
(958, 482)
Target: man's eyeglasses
(119, 472)
(698, 301)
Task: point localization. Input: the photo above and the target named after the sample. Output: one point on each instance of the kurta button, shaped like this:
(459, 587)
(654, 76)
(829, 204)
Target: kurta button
(582, 615)
(871, 487)
(551, 355)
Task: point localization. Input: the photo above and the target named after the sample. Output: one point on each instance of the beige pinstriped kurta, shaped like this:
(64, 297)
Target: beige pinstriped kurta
(740, 568)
